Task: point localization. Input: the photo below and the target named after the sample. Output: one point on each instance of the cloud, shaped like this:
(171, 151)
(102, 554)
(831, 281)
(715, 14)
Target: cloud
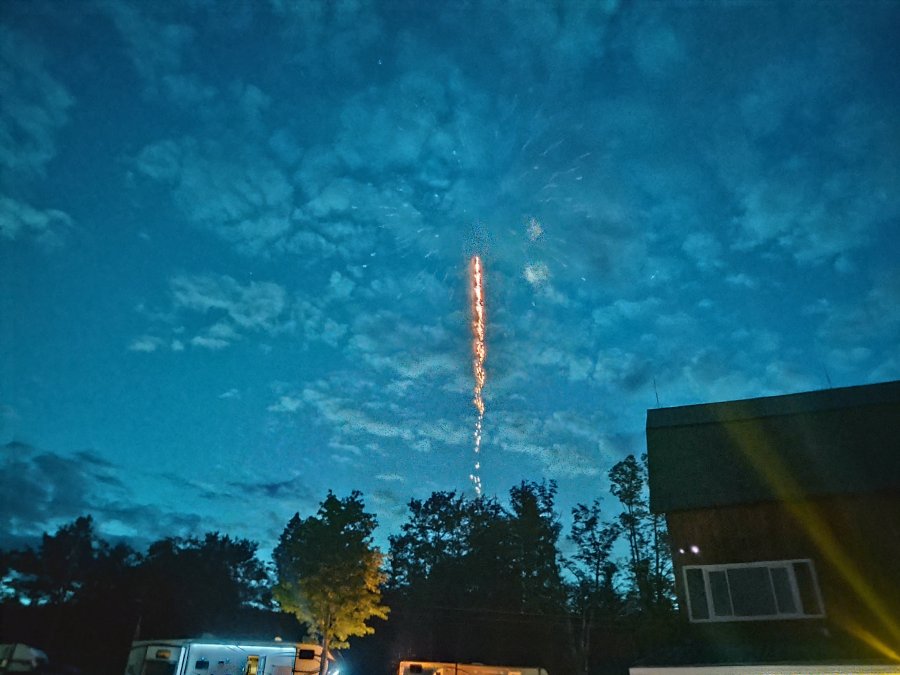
(41, 490)
(390, 478)
(847, 330)
(238, 192)
(145, 343)
(286, 404)
(253, 306)
(229, 309)
(46, 226)
(35, 107)
(156, 48)
(211, 343)
(742, 280)
(536, 273)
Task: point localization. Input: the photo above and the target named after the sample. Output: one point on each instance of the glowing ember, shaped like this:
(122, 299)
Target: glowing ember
(479, 353)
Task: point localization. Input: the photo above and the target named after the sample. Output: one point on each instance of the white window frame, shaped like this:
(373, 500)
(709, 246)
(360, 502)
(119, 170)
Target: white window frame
(787, 565)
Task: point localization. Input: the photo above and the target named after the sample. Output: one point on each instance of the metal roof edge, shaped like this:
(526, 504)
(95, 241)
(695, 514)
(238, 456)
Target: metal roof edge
(773, 406)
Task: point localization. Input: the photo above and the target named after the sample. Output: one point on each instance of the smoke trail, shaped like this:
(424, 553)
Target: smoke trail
(479, 353)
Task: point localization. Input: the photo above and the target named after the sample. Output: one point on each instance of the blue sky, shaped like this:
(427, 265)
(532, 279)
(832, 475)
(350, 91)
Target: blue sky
(234, 241)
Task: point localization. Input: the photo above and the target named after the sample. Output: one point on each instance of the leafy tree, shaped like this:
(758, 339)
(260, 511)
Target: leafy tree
(329, 572)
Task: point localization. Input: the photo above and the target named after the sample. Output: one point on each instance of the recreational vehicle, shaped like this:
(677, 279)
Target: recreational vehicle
(217, 657)
(435, 668)
(19, 658)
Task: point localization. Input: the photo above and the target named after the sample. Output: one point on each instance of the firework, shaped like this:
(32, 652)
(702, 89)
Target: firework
(479, 354)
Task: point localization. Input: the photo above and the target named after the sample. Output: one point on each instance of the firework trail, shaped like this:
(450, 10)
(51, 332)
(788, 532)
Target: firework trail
(479, 353)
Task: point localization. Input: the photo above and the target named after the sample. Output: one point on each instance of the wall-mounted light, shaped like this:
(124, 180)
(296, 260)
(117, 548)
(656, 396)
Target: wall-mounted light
(695, 549)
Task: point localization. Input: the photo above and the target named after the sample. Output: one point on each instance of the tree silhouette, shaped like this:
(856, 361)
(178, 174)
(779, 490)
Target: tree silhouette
(649, 564)
(70, 565)
(593, 591)
(193, 585)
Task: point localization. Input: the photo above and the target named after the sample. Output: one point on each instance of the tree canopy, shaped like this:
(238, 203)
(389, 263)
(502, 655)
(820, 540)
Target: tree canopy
(469, 579)
(329, 572)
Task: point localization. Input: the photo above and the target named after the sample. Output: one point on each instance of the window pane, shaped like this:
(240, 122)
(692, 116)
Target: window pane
(158, 668)
(806, 585)
(696, 592)
(783, 595)
(718, 587)
(751, 591)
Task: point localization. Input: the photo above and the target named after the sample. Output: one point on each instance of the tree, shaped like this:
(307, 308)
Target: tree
(649, 564)
(432, 542)
(481, 581)
(193, 585)
(329, 572)
(535, 529)
(593, 591)
(68, 566)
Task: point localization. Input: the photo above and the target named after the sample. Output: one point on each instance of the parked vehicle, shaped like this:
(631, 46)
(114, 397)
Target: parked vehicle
(436, 668)
(217, 657)
(20, 658)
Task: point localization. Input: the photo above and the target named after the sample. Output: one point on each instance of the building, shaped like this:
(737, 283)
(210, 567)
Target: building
(784, 521)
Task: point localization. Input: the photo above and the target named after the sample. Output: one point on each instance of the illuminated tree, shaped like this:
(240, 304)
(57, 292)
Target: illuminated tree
(329, 572)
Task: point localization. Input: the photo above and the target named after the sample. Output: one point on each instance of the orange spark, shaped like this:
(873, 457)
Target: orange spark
(479, 354)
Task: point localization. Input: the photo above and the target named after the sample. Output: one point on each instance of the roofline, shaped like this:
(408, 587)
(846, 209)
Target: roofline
(220, 642)
(774, 406)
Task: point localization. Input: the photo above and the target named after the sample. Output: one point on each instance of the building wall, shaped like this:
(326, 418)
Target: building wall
(853, 541)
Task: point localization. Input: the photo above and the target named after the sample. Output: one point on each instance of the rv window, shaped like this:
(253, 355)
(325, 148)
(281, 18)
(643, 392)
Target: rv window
(782, 587)
(158, 668)
(415, 668)
(718, 585)
(306, 654)
(751, 592)
(806, 587)
(696, 591)
(202, 664)
(764, 590)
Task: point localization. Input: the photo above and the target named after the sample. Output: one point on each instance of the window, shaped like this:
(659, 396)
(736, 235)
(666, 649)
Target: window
(779, 589)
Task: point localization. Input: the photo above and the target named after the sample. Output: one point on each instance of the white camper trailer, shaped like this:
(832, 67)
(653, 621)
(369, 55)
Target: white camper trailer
(217, 657)
(19, 658)
(436, 668)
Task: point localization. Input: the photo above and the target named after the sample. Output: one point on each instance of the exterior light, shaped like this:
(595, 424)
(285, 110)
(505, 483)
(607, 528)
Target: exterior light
(695, 549)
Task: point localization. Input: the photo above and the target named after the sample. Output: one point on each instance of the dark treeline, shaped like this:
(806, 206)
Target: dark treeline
(468, 580)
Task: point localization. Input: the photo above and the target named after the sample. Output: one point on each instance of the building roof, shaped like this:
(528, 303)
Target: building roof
(834, 441)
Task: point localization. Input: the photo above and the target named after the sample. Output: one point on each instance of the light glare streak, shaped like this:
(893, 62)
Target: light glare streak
(479, 354)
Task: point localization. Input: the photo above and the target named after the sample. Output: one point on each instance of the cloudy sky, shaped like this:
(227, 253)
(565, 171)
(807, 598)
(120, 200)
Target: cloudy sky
(234, 241)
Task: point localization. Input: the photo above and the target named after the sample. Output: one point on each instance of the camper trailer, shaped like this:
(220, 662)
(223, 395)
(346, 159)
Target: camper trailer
(216, 657)
(19, 658)
(435, 668)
